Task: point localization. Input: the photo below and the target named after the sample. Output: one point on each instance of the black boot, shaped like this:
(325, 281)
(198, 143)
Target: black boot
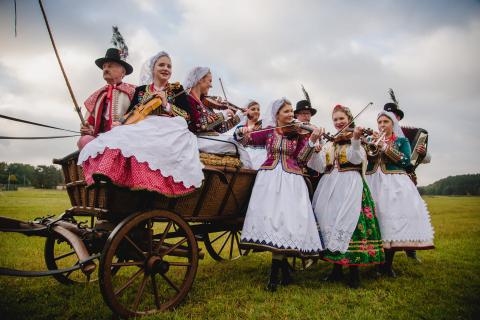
(336, 274)
(387, 267)
(286, 276)
(273, 281)
(354, 277)
(412, 254)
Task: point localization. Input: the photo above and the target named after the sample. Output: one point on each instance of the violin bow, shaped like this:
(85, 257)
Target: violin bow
(223, 90)
(278, 127)
(358, 114)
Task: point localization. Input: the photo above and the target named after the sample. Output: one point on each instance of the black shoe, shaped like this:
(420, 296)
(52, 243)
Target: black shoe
(336, 274)
(354, 278)
(286, 276)
(273, 280)
(386, 268)
(412, 254)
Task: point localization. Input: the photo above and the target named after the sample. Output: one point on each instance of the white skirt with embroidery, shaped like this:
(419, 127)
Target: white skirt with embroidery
(402, 214)
(337, 203)
(279, 215)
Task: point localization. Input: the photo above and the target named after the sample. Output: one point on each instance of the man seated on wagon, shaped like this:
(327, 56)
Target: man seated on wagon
(108, 104)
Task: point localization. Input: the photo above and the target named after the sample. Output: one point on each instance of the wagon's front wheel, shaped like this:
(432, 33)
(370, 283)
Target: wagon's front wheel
(59, 254)
(161, 259)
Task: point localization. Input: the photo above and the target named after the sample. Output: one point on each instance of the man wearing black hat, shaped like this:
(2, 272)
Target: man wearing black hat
(304, 111)
(107, 105)
(421, 149)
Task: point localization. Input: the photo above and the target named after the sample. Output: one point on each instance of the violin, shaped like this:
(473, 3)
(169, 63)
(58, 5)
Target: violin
(347, 134)
(141, 111)
(298, 129)
(215, 102)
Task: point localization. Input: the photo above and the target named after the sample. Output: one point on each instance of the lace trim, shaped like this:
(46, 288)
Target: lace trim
(282, 242)
(415, 236)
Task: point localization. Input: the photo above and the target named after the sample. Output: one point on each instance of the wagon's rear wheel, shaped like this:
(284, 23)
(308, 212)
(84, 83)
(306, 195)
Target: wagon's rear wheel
(161, 255)
(225, 245)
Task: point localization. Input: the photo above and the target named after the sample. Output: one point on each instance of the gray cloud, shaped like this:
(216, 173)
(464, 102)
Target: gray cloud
(343, 52)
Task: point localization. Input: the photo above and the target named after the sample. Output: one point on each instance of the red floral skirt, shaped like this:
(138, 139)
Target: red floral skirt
(129, 173)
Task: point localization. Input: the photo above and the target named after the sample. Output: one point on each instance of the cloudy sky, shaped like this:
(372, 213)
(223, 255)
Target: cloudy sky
(347, 52)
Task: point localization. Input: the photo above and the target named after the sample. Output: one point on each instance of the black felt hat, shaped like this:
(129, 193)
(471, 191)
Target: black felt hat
(392, 107)
(304, 105)
(113, 54)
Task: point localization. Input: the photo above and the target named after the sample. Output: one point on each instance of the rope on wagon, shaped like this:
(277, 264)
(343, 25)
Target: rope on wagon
(37, 138)
(34, 123)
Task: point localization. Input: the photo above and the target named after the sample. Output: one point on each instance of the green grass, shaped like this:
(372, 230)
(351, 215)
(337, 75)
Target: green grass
(445, 286)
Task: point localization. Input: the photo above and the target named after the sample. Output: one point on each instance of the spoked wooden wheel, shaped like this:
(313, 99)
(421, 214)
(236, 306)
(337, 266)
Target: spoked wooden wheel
(161, 259)
(59, 254)
(225, 245)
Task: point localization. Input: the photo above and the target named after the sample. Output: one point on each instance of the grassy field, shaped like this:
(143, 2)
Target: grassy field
(445, 286)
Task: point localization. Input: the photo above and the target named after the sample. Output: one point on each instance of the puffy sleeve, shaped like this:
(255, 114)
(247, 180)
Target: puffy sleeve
(355, 153)
(318, 160)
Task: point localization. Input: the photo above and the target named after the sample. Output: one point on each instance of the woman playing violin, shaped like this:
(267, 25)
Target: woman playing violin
(342, 203)
(210, 124)
(258, 154)
(158, 153)
(279, 216)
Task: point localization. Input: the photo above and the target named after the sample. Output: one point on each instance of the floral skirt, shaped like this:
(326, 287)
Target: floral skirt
(365, 246)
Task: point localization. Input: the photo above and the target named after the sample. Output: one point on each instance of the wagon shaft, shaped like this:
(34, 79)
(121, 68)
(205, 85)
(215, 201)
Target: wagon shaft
(27, 228)
(62, 229)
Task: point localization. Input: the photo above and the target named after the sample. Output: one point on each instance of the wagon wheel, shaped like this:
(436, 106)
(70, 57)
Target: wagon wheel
(160, 268)
(59, 254)
(225, 245)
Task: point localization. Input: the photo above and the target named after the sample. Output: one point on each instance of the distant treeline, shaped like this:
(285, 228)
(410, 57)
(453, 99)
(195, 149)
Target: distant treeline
(19, 174)
(467, 184)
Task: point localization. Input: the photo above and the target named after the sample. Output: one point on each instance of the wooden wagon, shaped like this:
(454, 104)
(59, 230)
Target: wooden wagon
(141, 246)
(146, 244)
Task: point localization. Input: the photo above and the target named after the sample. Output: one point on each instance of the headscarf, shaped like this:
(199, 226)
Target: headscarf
(195, 75)
(146, 74)
(271, 115)
(396, 126)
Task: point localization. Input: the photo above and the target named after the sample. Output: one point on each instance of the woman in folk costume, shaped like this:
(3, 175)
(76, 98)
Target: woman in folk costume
(402, 213)
(158, 153)
(258, 154)
(343, 205)
(211, 125)
(279, 216)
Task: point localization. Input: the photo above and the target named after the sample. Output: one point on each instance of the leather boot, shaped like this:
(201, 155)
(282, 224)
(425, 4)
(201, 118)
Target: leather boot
(286, 276)
(354, 277)
(412, 254)
(387, 269)
(273, 280)
(336, 274)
